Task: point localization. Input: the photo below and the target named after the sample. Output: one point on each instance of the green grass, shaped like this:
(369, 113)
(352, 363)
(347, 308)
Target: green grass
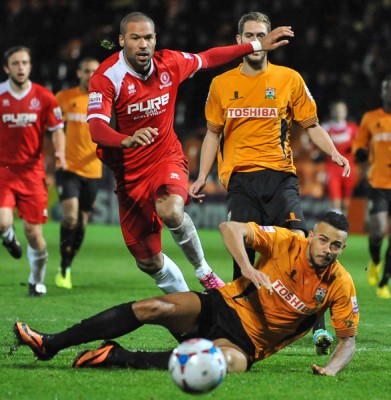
(104, 274)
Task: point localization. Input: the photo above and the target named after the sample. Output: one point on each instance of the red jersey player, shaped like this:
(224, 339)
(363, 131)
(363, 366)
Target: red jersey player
(135, 91)
(342, 132)
(27, 110)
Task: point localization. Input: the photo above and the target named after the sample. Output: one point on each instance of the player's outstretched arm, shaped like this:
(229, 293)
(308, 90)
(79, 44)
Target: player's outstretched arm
(340, 358)
(217, 56)
(322, 139)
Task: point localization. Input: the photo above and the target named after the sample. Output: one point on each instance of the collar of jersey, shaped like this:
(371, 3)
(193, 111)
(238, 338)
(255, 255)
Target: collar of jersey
(19, 95)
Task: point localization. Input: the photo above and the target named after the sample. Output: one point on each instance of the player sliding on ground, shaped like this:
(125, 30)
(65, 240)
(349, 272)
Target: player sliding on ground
(273, 304)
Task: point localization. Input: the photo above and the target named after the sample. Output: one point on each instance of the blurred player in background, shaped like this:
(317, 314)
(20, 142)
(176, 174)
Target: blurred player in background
(249, 113)
(77, 185)
(342, 132)
(135, 91)
(373, 143)
(250, 319)
(27, 110)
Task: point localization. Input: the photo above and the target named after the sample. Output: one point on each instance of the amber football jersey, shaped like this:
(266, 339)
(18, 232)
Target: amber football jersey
(375, 132)
(299, 296)
(255, 114)
(80, 151)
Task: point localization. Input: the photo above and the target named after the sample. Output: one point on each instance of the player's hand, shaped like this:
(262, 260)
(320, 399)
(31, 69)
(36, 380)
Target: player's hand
(343, 162)
(195, 189)
(258, 278)
(141, 137)
(59, 160)
(321, 370)
(272, 40)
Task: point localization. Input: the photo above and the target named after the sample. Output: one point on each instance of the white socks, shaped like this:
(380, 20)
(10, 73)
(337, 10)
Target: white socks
(37, 260)
(170, 278)
(186, 237)
(9, 234)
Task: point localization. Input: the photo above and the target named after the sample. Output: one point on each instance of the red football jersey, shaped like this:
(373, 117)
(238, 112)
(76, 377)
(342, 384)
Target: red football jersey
(342, 134)
(24, 119)
(140, 101)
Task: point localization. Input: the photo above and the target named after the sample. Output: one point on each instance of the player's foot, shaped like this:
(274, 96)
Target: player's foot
(211, 281)
(373, 273)
(323, 341)
(13, 247)
(26, 336)
(101, 357)
(62, 281)
(37, 290)
(383, 292)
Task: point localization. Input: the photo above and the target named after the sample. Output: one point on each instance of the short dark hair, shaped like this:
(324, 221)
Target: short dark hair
(134, 17)
(14, 50)
(86, 60)
(254, 16)
(337, 220)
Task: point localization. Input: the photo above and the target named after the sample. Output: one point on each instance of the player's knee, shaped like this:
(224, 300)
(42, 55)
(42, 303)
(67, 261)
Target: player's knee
(236, 361)
(151, 265)
(69, 221)
(150, 310)
(171, 212)
(34, 236)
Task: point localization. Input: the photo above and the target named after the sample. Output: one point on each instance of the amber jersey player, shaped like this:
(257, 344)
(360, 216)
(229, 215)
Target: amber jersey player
(374, 135)
(135, 91)
(255, 115)
(273, 304)
(77, 186)
(80, 150)
(300, 296)
(373, 144)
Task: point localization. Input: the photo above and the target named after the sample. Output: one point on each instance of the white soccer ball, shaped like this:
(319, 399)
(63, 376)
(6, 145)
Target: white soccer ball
(197, 366)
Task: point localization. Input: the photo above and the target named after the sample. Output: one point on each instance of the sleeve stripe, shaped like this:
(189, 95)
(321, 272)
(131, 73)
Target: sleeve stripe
(100, 116)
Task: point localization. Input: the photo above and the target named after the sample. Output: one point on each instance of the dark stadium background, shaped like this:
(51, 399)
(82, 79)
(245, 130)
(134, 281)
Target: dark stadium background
(341, 48)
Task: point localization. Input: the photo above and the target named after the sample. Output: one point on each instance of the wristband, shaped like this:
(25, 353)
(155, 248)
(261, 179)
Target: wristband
(257, 45)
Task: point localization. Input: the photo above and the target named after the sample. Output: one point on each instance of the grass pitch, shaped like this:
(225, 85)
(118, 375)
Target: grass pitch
(104, 274)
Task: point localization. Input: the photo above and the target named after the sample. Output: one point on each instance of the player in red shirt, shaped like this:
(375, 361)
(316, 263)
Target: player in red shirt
(342, 132)
(27, 110)
(131, 114)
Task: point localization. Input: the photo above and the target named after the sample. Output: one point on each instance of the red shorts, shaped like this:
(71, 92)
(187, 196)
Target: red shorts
(338, 186)
(140, 224)
(24, 189)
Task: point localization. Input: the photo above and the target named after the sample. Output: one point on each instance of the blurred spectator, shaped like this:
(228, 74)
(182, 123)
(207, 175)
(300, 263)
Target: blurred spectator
(342, 132)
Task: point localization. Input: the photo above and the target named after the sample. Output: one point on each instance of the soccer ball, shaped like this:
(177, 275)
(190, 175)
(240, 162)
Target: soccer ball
(197, 366)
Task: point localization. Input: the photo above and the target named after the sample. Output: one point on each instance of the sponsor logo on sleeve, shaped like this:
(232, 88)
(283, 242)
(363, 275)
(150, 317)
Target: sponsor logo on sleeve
(308, 93)
(95, 101)
(57, 113)
(188, 56)
(355, 305)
